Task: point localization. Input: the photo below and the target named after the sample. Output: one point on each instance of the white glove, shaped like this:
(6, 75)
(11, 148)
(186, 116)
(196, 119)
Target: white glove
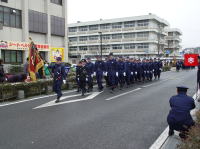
(124, 73)
(136, 72)
(160, 69)
(117, 74)
(86, 79)
(147, 71)
(95, 73)
(92, 75)
(64, 81)
(153, 70)
(106, 73)
(78, 79)
(131, 73)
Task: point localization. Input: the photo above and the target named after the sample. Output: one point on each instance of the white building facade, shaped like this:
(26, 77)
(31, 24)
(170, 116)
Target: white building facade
(173, 42)
(45, 21)
(133, 36)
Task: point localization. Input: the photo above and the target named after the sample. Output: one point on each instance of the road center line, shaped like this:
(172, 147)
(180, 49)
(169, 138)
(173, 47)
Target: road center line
(123, 94)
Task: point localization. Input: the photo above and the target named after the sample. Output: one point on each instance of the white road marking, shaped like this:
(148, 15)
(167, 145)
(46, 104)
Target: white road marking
(31, 99)
(123, 94)
(161, 139)
(52, 103)
(164, 136)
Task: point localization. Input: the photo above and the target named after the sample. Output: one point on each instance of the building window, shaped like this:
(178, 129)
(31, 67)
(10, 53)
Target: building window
(5, 1)
(129, 35)
(143, 46)
(143, 34)
(116, 25)
(10, 17)
(37, 22)
(143, 23)
(117, 47)
(94, 48)
(11, 56)
(93, 37)
(83, 48)
(73, 48)
(93, 27)
(105, 26)
(105, 37)
(57, 26)
(105, 47)
(129, 46)
(117, 36)
(83, 38)
(83, 28)
(59, 2)
(129, 24)
(72, 29)
(72, 39)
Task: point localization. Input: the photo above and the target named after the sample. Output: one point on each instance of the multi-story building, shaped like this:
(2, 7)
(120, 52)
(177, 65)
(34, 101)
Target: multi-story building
(173, 41)
(44, 21)
(132, 36)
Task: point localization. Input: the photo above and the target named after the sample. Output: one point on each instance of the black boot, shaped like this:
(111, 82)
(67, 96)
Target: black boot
(171, 132)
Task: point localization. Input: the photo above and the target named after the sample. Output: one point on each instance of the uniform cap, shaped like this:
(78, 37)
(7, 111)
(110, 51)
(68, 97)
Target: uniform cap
(83, 60)
(182, 88)
(58, 58)
(111, 54)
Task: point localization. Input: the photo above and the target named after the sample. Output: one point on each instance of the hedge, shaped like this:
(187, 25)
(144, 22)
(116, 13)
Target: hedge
(43, 86)
(193, 140)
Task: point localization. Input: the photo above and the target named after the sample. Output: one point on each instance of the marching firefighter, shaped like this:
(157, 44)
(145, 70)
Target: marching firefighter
(82, 76)
(59, 77)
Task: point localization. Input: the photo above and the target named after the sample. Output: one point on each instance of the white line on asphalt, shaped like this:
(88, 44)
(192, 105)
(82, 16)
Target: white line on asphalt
(163, 137)
(52, 103)
(123, 94)
(36, 98)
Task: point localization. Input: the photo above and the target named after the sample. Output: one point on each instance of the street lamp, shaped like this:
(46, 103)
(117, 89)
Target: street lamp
(100, 33)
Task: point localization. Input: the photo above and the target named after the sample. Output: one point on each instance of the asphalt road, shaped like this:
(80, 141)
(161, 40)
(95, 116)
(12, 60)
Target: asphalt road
(128, 119)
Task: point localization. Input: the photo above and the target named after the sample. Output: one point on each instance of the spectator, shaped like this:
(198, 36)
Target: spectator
(26, 67)
(2, 74)
(46, 70)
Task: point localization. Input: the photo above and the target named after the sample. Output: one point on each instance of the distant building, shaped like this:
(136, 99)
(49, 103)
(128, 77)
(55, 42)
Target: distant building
(132, 36)
(45, 21)
(173, 41)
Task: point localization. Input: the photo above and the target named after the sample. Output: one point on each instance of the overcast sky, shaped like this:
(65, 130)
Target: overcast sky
(182, 14)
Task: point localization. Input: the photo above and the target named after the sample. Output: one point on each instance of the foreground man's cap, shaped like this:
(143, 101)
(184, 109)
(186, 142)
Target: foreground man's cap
(182, 88)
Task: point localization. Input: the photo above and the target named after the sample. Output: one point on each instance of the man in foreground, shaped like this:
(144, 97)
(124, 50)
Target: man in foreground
(179, 117)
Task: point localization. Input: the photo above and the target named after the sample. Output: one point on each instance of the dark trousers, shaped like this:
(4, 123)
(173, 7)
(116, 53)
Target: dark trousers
(90, 82)
(57, 87)
(99, 77)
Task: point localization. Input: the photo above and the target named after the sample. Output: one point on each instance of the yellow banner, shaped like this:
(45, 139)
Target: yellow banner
(56, 52)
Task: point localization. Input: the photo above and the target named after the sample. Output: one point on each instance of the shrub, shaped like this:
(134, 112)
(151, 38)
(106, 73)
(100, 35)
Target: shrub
(193, 140)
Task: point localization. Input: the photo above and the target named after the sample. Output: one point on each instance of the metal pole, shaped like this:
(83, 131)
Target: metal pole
(100, 33)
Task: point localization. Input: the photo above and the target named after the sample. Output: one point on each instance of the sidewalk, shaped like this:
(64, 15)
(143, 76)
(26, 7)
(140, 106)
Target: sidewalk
(166, 142)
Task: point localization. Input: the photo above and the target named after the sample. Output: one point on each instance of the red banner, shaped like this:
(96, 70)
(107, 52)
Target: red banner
(191, 59)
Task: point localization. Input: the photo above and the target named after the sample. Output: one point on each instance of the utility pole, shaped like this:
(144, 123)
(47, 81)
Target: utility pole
(100, 33)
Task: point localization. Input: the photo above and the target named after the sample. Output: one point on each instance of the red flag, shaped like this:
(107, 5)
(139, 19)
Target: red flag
(191, 59)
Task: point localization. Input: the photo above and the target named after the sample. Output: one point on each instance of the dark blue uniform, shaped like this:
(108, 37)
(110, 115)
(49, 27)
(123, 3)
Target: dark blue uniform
(99, 69)
(139, 71)
(179, 114)
(111, 70)
(90, 70)
(128, 67)
(121, 73)
(59, 75)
